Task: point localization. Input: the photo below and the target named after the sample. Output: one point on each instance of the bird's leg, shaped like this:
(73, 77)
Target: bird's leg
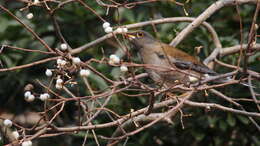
(198, 83)
(200, 79)
(151, 103)
(161, 84)
(124, 80)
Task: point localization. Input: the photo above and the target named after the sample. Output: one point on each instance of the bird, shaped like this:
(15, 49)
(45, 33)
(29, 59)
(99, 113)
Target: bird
(168, 65)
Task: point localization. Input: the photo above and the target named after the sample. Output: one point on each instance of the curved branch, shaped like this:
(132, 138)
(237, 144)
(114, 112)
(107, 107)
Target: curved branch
(235, 49)
(28, 65)
(157, 21)
(227, 51)
(220, 107)
(28, 28)
(116, 122)
(205, 15)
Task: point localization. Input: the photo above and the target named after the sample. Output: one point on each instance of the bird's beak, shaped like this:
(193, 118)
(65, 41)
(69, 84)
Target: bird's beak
(130, 35)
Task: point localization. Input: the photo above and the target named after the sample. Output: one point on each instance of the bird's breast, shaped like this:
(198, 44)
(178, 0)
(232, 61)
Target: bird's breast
(150, 56)
(161, 69)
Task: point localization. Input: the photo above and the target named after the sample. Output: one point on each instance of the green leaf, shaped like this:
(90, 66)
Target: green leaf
(7, 60)
(143, 138)
(217, 141)
(222, 125)
(231, 120)
(116, 73)
(102, 85)
(198, 135)
(212, 121)
(243, 119)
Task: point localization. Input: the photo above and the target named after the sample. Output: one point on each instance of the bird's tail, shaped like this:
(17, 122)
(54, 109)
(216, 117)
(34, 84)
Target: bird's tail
(229, 78)
(246, 84)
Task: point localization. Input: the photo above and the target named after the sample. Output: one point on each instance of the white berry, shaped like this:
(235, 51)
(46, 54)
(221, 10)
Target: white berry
(123, 68)
(106, 24)
(47, 95)
(30, 98)
(112, 56)
(15, 134)
(76, 60)
(193, 79)
(36, 1)
(59, 61)
(63, 62)
(44, 96)
(84, 72)
(29, 16)
(119, 30)
(113, 59)
(27, 143)
(59, 81)
(206, 75)
(48, 72)
(125, 30)
(8, 123)
(111, 62)
(58, 86)
(116, 60)
(27, 94)
(108, 29)
(63, 47)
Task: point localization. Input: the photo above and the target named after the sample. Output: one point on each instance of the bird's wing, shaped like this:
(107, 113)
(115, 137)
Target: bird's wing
(183, 60)
(182, 64)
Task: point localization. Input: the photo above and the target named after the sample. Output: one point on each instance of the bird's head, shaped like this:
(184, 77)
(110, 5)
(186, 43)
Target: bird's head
(140, 38)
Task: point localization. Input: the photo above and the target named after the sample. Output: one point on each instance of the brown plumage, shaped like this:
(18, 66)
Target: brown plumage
(163, 56)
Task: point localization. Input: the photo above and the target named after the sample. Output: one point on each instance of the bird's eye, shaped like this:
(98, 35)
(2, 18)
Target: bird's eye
(139, 34)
